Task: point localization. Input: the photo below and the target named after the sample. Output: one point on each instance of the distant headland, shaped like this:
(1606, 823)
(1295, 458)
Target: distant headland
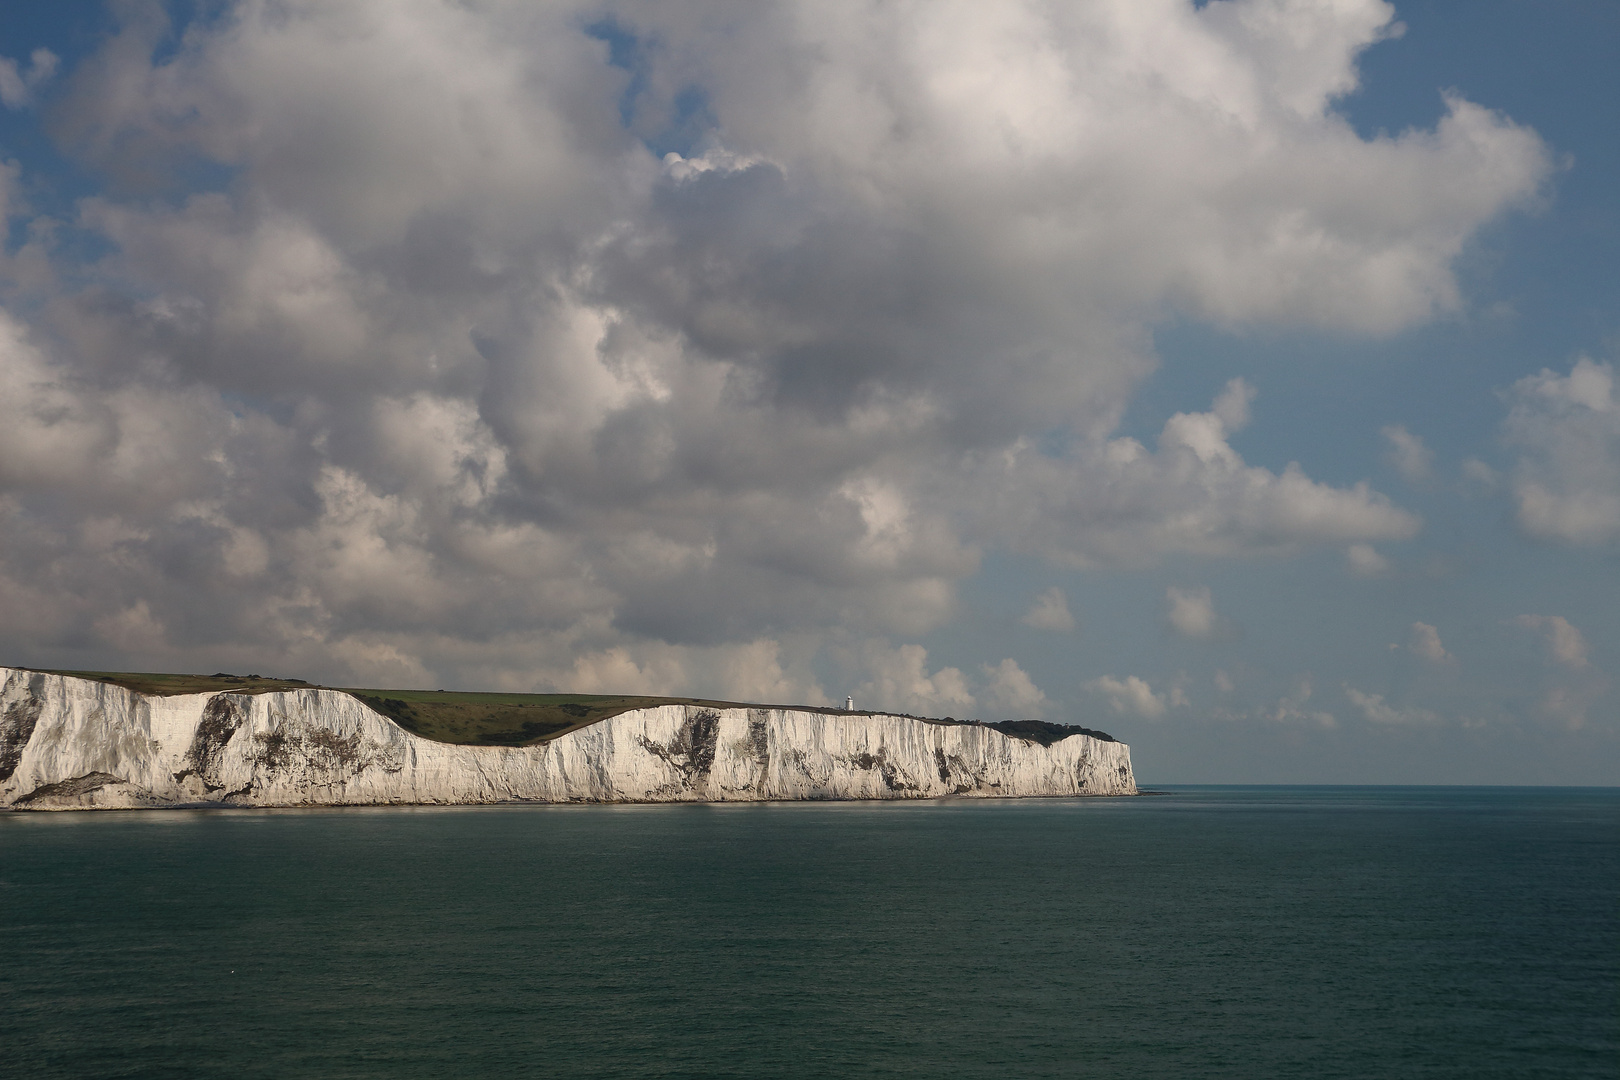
(109, 740)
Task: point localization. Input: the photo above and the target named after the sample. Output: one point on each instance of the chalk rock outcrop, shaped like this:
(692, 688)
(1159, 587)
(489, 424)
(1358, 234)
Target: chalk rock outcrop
(68, 743)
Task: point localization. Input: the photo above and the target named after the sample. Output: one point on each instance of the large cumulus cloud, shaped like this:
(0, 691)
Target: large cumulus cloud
(676, 346)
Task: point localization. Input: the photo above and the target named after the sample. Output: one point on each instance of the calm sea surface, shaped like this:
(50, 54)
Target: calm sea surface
(1211, 932)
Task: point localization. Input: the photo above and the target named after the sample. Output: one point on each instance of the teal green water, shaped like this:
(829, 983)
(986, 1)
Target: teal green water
(1211, 932)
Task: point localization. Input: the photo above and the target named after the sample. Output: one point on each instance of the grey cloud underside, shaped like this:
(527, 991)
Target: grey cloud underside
(457, 378)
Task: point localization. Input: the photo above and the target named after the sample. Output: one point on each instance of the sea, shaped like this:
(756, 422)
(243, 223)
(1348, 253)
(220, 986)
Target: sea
(1206, 932)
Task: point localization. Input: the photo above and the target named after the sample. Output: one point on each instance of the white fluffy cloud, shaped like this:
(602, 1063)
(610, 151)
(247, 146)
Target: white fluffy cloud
(1567, 429)
(1192, 149)
(899, 681)
(1192, 612)
(17, 85)
(1480, 475)
(1130, 696)
(1566, 645)
(1407, 452)
(1011, 693)
(462, 377)
(1293, 707)
(1377, 711)
(1365, 561)
(1050, 611)
(1424, 643)
(1112, 501)
(1572, 685)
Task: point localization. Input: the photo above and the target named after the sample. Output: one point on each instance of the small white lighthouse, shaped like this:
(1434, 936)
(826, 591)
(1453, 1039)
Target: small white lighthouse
(849, 704)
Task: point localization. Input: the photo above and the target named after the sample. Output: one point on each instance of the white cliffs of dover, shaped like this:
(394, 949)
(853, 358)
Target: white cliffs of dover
(68, 743)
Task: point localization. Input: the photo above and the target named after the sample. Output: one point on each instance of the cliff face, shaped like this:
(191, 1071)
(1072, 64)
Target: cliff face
(74, 743)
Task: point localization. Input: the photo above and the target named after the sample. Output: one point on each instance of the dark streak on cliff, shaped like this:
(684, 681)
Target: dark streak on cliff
(693, 748)
(16, 728)
(223, 714)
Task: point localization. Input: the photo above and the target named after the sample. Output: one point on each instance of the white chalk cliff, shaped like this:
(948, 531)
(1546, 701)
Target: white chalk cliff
(69, 743)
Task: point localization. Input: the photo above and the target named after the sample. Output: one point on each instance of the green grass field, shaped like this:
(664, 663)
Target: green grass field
(507, 719)
(482, 719)
(451, 716)
(144, 682)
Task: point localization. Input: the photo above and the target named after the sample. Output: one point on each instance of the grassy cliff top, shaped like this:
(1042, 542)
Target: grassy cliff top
(451, 716)
(472, 718)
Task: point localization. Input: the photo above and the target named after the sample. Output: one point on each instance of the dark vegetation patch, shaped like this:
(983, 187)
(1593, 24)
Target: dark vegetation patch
(1044, 733)
(331, 749)
(480, 723)
(79, 785)
(693, 748)
(220, 719)
(320, 749)
(759, 737)
(893, 777)
(273, 751)
(170, 685)
(1038, 731)
(699, 738)
(508, 719)
(16, 728)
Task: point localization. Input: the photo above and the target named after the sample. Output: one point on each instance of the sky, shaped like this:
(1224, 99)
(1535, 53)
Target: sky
(1235, 377)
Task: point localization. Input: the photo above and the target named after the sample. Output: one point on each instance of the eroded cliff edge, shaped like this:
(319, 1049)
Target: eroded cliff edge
(70, 743)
